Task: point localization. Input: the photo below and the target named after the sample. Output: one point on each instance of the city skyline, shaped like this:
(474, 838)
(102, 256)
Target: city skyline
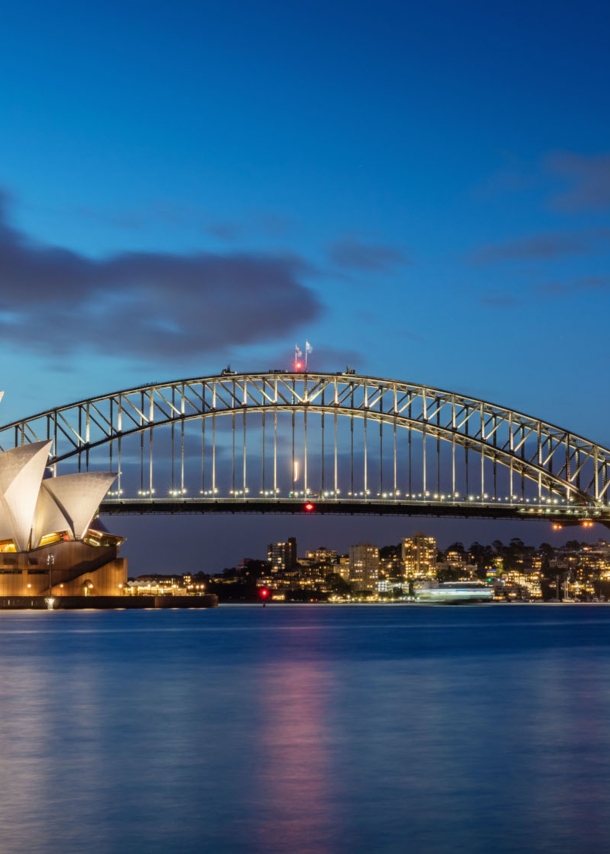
(412, 569)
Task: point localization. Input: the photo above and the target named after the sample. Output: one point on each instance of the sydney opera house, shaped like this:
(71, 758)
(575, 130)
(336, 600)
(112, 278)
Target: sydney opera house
(50, 544)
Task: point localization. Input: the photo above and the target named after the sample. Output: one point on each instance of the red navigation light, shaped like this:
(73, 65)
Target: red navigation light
(263, 592)
(310, 507)
(298, 365)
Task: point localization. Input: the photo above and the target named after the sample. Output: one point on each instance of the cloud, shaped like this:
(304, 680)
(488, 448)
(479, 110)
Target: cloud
(146, 304)
(545, 290)
(354, 255)
(497, 300)
(584, 283)
(274, 226)
(127, 222)
(541, 246)
(587, 177)
(227, 231)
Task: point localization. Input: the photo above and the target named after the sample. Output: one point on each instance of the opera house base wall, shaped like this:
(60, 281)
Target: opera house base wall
(109, 580)
(73, 603)
(66, 568)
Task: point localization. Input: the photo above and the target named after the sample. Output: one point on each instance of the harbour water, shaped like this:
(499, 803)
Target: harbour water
(306, 729)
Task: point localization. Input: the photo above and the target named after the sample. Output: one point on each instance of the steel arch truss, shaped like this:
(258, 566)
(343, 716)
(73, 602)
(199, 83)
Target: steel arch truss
(567, 471)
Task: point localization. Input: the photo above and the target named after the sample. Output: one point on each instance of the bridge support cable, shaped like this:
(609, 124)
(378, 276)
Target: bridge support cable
(263, 457)
(305, 452)
(275, 486)
(394, 461)
(424, 460)
(214, 454)
(335, 456)
(233, 439)
(204, 408)
(323, 454)
(366, 455)
(245, 456)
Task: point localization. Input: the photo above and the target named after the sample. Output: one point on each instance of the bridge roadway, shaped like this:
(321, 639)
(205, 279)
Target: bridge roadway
(556, 515)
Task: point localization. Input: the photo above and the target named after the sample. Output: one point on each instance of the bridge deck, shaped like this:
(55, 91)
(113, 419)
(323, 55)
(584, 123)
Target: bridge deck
(559, 514)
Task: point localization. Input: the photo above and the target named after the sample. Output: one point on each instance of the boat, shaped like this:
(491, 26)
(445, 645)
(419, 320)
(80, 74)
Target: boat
(453, 592)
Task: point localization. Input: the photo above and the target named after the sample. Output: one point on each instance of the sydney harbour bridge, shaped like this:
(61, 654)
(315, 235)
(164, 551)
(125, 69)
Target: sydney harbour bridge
(286, 441)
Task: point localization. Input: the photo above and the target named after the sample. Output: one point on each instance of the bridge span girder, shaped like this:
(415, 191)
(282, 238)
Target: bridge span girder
(350, 440)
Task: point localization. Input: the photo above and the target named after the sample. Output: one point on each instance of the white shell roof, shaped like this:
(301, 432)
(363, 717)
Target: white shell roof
(48, 518)
(78, 496)
(21, 473)
(31, 507)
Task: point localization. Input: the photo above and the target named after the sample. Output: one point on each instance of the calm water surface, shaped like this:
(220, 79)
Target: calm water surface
(306, 729)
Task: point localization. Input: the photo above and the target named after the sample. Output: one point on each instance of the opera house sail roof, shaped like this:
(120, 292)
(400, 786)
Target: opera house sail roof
(32, 506)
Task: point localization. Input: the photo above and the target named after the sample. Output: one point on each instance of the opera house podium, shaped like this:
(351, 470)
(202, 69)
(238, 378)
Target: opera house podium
(50, 544)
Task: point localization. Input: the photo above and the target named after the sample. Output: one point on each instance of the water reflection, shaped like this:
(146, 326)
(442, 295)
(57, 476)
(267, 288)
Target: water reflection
(296, 775)
(305, 730)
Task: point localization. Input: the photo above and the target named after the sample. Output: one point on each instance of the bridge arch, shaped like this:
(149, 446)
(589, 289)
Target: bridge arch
(272, 439)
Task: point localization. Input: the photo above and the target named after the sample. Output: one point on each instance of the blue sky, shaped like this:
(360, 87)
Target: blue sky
(420, 189)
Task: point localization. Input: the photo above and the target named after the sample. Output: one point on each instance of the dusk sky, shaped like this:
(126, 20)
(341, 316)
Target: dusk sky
(422, 190)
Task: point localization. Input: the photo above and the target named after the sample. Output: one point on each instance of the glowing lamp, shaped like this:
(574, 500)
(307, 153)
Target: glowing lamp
(310, 507)
(264, 592)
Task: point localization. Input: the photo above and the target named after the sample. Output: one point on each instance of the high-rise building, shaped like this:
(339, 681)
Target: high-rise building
(419, 555)
(363, 566)
(322, 555)
(282, 556)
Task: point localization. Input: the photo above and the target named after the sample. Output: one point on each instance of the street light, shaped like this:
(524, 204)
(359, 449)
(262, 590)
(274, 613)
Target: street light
(50, 565)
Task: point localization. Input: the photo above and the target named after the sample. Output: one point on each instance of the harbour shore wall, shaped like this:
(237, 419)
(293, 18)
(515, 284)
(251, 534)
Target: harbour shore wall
(65, 603)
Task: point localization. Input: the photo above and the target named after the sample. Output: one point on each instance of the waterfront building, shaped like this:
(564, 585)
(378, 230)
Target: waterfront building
(363, 566)
(283, 556)
(322, 555)
(50, 544)
(342, 567)
(455, 558)
(419, 556)
(157, 585)
(392, 587)
(390, 563)
(527, 584)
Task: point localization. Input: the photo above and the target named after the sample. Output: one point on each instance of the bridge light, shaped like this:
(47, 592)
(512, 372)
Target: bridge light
(310, 507)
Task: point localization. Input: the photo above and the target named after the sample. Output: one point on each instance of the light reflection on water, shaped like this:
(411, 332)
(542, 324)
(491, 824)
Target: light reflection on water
(305, 729)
